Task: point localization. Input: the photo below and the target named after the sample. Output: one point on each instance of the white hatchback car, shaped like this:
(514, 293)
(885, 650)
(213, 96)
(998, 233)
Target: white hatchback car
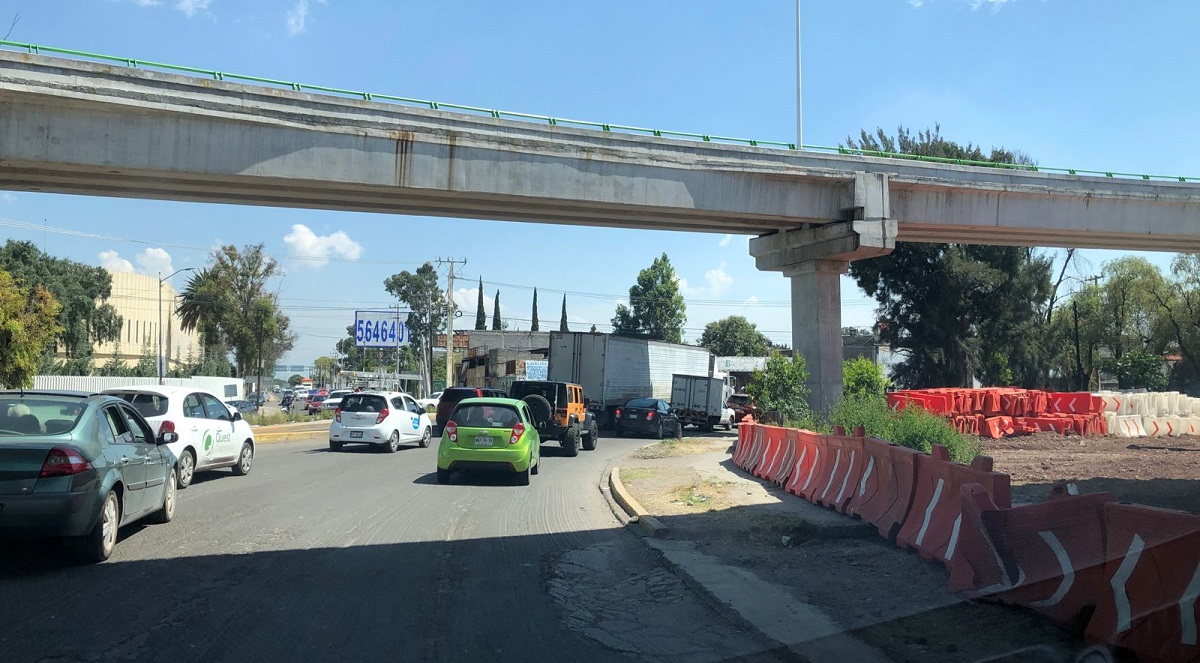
(386, 419)
(335, 399)
(210, 435)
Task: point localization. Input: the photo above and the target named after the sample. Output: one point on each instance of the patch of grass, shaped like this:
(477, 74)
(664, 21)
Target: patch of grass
(677, 447)
(635, 473)
(708, 495)
(276, 418)
(911, 427)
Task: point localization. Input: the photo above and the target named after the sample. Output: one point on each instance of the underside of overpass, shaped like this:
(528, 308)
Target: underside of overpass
(70, 126)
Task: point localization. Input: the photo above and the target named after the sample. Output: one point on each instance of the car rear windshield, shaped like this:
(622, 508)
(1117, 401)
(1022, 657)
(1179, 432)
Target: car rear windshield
(555, 393)
(364, 403)
(28, 416)
(739, 400)
(459, 393)
(642, 402)
(149, 405)
(479, 415)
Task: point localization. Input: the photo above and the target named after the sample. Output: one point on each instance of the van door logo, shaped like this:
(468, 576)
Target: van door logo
(208, 440)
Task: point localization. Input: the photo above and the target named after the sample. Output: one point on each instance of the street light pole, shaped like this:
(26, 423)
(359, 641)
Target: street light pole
(161, 280)
(799, 99)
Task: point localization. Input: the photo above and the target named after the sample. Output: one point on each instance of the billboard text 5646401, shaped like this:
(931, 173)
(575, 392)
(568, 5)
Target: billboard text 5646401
(381, 329)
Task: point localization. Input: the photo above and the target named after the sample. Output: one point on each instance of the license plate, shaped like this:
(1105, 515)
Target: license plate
(483, 441)
(355, 434)
(633, 416)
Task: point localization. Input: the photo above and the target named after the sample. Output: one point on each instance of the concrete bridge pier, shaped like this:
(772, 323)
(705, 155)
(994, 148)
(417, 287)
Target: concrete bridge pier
(814, 257)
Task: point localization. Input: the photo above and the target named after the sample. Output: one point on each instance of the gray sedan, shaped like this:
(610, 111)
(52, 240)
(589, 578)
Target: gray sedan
(80, 465)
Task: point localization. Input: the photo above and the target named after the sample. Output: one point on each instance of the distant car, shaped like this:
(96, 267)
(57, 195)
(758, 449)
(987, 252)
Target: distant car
(490, 434)
(300, 393)
(80, 465)
(450, 398)
(243, 406)
(385, 419)
(313, 404)
(210, 435)
(641, 416)
(322, 392)
(728, 418)
(432, 401)
(335, 399)
(741, 404)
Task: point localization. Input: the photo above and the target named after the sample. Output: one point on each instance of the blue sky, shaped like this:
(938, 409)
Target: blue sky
(1112, 87)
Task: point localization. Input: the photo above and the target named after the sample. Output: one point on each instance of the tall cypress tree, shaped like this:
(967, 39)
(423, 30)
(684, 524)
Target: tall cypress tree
(562, 322)
(480, 313)
(496, 313)
(534, 325)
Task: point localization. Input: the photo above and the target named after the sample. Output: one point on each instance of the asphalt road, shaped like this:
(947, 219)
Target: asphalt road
(361, 556)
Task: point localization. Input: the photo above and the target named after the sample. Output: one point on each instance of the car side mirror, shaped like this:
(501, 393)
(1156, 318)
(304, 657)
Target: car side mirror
(237, 416)
(169, 437)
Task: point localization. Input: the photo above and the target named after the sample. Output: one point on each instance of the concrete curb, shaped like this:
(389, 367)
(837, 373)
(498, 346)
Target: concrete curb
(268, 438)
(637, 513)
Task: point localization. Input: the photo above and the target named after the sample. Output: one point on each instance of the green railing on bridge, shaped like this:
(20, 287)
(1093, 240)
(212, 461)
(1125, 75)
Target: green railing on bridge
(558, 121)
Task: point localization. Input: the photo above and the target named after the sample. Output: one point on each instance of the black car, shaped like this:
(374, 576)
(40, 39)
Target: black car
(451, 397)
(647, 416)
(243, 406)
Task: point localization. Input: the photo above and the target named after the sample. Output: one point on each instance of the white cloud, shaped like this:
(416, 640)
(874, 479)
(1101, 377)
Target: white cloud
(994, 5)
(916, 3)
(155, 261)
(191, 7)
(725, 240)
(313, 249)
(751, 300)
(718, 281)
(113, 262)
(8, 198)
(296, 17)
(147, 3)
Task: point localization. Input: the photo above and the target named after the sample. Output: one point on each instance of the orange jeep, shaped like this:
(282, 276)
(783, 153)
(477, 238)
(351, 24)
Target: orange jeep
(560, 412)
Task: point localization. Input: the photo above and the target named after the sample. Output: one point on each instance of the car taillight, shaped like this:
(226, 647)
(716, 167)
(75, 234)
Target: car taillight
(517, 432)
(337, 415)
(64, 462)
(618, 413)
(649, 416)
(166, 427)
(382, 415)
(452, 431)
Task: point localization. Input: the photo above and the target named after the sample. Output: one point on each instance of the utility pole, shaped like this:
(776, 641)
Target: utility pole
(161, 281)
(450, 317)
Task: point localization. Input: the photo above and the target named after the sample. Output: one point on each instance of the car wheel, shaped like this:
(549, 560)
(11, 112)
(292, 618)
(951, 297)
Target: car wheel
(393, 443)
(592, 437)
(443, 476)
(167, 511)
(570, 442)
(187, 468)
(660, 431)
(334, 445)
(678, 431)
(729, 424)
(97, 545)
(426, 438)
(523, 477)
(534, 469)
(245, 460)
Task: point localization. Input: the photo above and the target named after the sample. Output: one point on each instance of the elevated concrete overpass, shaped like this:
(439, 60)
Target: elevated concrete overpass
(70, 126)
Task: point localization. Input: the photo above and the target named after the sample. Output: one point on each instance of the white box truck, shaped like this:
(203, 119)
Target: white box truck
(614, 369)
(699, 400)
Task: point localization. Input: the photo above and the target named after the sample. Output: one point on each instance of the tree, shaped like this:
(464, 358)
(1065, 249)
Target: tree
(1134, 319)
(656, 309)
(115, 366)
(782, 386)
(81, 291)
(562, 321)
(201, 307)
(533, 326)
(480, 313)
(28, 325)
(325, 368)
(427, 305)
(295, 380)
(734, 336)
(593, 329)
(1179, 301)
(1138, 369)
(863, 378)
(958, 312)
(147, 366)
(496, 326)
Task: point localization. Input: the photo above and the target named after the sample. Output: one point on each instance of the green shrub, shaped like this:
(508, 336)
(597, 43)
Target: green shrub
(862, 377)
(911, 427)
(782, 387)
(293, 417)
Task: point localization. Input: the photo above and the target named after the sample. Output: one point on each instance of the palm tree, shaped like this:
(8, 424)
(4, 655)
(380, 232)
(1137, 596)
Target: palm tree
(201, 305)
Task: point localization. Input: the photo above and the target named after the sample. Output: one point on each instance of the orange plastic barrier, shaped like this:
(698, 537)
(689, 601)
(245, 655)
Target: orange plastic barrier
(1075, 403)
(1047, 556)
(745, 440)
(885, 490)
(933, 521)
(845, 473)
(773, 453)
(757, 442)
(1152, 583)
(791, 441)
(804, 472)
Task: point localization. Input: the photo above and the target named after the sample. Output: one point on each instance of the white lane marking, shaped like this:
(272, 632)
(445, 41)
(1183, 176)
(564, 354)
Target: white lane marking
(1068, 570)
(937, 494)
(862, 485)
(1121, 577)
(953, 537)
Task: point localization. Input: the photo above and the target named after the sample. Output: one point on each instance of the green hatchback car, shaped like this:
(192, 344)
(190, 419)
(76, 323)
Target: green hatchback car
(490, 434)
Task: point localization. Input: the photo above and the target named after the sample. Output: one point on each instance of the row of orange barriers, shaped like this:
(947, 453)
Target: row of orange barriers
(1129, 573)
(999, 412)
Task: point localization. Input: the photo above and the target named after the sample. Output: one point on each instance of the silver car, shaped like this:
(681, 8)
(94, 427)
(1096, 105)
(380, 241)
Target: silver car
(80, 465)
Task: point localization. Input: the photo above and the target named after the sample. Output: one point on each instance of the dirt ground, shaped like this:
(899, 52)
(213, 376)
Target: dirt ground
(1162, 472)
(886, 597)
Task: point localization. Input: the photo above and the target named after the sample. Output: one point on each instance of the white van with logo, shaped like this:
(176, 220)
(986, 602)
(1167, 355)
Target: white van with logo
(210, 435)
